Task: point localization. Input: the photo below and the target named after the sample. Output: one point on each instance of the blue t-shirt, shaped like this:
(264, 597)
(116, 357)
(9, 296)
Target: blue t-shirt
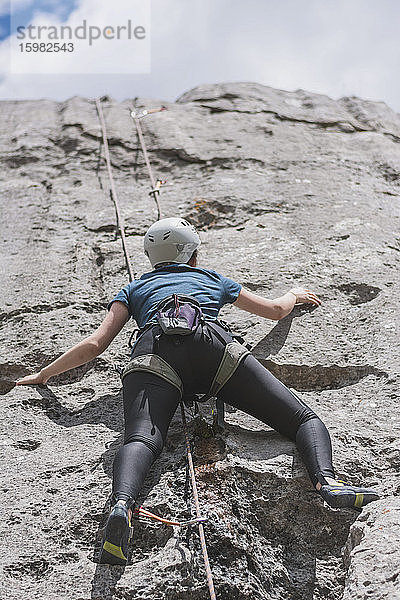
(208, 287)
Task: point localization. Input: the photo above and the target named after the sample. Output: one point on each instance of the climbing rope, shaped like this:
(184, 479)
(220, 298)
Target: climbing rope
(197, 506)
(155, 185)
(142, 512)
(113, 191)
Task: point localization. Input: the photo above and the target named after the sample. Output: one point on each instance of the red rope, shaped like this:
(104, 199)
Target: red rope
(143, 512)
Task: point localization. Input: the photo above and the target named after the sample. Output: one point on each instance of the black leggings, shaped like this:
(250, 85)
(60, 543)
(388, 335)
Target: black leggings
(150, 403)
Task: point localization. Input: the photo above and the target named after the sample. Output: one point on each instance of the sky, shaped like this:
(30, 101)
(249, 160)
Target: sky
(334, 47)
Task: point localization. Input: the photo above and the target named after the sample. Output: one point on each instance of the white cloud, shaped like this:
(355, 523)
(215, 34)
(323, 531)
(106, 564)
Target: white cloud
(336, 47)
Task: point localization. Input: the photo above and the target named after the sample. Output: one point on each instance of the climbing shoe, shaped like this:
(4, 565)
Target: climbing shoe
(117, 533)
(345, 495)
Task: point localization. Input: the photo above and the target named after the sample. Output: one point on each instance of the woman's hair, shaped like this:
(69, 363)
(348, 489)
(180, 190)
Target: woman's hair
(194, 256)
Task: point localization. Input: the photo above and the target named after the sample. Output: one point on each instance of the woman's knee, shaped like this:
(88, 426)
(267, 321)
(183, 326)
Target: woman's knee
(301, 414)
(155, 444)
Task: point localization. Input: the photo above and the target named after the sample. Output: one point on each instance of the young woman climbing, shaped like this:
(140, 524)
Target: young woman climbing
(174, 361)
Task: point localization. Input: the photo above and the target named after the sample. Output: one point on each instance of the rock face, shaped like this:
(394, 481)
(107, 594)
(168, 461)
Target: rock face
(287, 189)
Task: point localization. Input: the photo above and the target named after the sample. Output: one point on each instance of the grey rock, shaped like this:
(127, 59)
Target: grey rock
(287, 188)
(373, 559)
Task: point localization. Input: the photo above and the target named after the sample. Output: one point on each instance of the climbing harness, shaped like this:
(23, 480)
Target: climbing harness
(154, 364)
(233, 352)
(219, 413)
(181, 315)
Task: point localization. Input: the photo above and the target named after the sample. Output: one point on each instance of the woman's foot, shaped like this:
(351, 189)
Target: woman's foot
(339, 494)
(117, 533)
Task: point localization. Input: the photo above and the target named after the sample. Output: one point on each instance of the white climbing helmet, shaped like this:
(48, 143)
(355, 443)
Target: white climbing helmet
(170, 240)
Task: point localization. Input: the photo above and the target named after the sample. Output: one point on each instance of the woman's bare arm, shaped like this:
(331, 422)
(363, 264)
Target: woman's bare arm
(277, 308)
(87, 349)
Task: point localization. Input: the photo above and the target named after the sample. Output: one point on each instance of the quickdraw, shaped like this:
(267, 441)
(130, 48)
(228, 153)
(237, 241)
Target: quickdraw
(142, 513)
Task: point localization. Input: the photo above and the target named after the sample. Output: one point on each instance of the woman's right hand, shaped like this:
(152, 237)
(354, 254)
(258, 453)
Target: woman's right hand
(304, 296)
(35, 379)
